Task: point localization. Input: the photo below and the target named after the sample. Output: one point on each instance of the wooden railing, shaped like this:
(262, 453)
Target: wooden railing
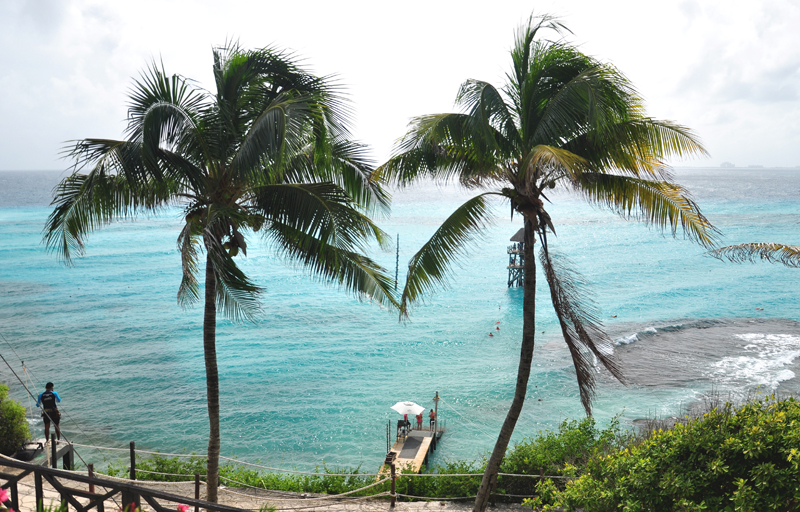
(130, 494)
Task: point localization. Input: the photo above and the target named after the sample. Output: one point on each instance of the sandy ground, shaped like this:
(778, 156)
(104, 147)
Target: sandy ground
(252, 499)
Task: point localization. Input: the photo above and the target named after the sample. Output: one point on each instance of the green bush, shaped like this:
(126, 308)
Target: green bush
(13, 424)
(561, 453)
(742, 458)
(557, 453)
(181, 469)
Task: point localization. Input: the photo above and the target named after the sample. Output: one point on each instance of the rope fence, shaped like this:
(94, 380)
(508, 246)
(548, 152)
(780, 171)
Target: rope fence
(433, 499)
(296, 472)
(263, 496)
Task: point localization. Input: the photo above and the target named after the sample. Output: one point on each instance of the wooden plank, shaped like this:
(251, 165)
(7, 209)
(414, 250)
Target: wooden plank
(415, 463)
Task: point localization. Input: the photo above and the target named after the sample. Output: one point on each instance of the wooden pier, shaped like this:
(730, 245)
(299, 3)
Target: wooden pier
(413, 449)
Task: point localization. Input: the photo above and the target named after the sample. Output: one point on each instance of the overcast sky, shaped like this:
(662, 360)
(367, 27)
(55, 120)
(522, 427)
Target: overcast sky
(728, 69)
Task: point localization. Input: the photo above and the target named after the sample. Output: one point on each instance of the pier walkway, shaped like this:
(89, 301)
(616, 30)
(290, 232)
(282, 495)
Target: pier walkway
(413, 450)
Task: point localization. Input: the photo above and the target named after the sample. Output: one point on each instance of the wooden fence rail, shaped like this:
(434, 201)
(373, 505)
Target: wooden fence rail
(129, 493)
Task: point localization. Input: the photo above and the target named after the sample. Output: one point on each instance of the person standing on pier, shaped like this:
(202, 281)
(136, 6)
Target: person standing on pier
(432, 416)
(419, 420)
(47, 401)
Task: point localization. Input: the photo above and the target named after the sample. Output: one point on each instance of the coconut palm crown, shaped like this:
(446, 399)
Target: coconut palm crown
(562, 119)
(267, 154)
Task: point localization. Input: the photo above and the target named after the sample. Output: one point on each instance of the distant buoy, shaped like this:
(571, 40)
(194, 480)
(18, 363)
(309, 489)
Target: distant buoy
(497, 322)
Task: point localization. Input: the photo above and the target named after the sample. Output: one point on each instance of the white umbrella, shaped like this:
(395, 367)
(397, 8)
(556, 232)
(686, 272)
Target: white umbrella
(407, 407)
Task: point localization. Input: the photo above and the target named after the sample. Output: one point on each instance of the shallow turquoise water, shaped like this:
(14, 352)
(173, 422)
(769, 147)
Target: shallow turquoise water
(313, 380)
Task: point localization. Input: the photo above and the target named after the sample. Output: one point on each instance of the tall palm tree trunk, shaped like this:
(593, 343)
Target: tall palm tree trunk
(523, 372)
(212, 381)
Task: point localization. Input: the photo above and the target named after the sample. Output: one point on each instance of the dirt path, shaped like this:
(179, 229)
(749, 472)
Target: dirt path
(252, 499)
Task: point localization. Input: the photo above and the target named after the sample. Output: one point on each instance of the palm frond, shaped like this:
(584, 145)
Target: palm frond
(350, 270)
(85, 202)
(237, 295)
(491, 118)
(578, 317)
(658, 203)
(547, 163)
(163, 114)
(352, 169)
(442, 147)
(637, 147)
(281, 129)
(526, 36)
(189, 289)
(788, 255)
(322, 210)
(431, 265)
(593, 97)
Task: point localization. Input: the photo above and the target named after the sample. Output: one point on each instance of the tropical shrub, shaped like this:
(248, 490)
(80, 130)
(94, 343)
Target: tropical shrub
(563, 452)
(13, 424)
(560, 453)
(730, 459)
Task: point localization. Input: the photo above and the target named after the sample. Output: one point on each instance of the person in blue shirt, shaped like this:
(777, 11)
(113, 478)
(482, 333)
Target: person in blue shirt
(47, 401)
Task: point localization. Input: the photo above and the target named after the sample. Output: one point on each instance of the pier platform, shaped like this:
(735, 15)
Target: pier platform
(413, 449)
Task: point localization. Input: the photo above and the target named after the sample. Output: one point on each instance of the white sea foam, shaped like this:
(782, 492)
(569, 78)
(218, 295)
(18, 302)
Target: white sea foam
(626, 340)
(764, 362)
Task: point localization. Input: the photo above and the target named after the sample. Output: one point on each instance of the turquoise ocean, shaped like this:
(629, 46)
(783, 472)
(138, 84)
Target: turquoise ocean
(313, 380)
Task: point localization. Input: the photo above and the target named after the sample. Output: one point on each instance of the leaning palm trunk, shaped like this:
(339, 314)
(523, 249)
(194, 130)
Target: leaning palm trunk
(269, 155)
(563, 119)
(212, 381)
(489, 480)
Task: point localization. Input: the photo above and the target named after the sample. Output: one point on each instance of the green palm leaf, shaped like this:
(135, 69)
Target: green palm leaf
(351, 270)
(85, 202)
(442, 147)
(431, 265)
(322, 210)
(788, 255)
(188, 243)
(658, 203)
(580, 323)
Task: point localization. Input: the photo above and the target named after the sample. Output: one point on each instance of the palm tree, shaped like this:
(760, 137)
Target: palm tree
(563, 119)
(789, 255)
(267, 153)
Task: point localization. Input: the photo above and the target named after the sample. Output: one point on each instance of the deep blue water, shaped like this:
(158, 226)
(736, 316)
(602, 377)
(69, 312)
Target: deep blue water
(314, 378)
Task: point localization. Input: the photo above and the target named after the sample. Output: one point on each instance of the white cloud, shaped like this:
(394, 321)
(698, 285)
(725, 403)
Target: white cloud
(730, 70)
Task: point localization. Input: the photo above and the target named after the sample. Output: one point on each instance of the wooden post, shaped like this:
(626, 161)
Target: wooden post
(68, 457)
(130, 502)
(37, 483)
(133, 460)
(91, 475)
(14, 496)
(53, 452)
(196, 490)
(436, 420)
(392, 491)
